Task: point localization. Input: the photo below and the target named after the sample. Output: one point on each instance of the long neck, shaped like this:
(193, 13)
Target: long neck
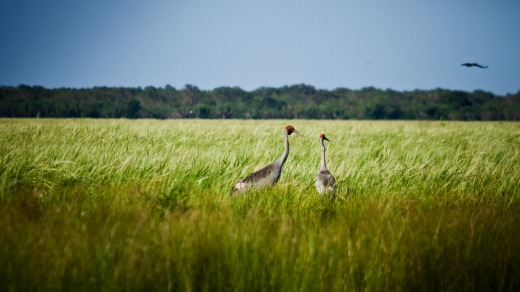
(323, 165)
(286, 153)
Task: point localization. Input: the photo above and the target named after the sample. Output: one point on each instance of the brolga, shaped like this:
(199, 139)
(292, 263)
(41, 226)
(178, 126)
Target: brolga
(325, 182)
(268, 175)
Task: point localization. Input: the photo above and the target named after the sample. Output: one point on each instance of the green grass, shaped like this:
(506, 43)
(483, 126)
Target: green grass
(107, 205)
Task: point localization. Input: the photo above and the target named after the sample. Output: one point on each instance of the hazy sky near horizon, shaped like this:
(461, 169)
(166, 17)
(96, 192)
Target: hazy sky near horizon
(399, 44)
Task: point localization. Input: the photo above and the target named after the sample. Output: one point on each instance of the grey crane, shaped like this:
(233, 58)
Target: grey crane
(268, 175)
(325, 182)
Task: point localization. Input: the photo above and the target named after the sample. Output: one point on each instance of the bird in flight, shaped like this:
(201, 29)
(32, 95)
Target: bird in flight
(473, 64)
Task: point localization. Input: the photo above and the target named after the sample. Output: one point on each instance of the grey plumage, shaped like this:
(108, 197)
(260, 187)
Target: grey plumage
(268, 175)
(325, 181)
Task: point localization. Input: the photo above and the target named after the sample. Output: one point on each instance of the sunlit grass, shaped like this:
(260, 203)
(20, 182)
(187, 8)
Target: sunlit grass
(145, 204)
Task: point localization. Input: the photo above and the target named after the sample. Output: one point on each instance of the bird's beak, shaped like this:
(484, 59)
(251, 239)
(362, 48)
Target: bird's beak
(296, 131)
(325, 138)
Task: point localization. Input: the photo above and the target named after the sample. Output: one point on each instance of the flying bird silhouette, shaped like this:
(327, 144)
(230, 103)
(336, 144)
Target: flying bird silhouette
(473, 65)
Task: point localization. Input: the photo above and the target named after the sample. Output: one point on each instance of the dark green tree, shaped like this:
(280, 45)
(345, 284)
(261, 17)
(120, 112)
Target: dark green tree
(133, 107)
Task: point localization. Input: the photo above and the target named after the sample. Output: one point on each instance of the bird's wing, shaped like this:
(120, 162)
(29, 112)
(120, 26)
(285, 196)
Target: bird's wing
(264, 176)
(326, 178)
(261, 174)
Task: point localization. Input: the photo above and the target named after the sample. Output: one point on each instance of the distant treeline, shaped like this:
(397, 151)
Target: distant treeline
(299, 101)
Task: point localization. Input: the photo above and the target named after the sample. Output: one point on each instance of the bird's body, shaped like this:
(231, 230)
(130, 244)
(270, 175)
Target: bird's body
(473, 65)
(268, 175)
(325, 181)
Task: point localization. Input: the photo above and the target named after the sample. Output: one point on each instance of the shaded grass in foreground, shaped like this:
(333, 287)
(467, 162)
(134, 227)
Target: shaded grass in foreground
(363, 244)
(119, 205)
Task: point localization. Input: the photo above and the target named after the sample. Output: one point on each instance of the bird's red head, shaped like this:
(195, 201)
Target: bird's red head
(290, 129)
(322, 136)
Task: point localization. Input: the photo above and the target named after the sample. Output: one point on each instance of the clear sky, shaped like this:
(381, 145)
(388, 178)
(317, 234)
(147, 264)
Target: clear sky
(396, 44)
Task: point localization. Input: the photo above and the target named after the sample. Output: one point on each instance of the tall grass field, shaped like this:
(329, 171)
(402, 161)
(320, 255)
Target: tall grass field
(143, 205)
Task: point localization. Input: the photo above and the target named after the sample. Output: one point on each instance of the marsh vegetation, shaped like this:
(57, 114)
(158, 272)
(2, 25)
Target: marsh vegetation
(145, 204)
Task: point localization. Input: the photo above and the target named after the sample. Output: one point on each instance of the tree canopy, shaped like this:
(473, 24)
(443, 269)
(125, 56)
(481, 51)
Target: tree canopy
(300, 101)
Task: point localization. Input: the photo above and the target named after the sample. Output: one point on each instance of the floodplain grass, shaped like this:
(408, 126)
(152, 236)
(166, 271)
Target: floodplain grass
(145, 204)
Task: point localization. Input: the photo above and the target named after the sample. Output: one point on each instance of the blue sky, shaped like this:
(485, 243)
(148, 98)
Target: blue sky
(398, 44)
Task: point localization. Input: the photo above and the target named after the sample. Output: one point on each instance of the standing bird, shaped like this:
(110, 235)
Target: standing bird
(268, 175)
(325, 182)
(473, 64)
